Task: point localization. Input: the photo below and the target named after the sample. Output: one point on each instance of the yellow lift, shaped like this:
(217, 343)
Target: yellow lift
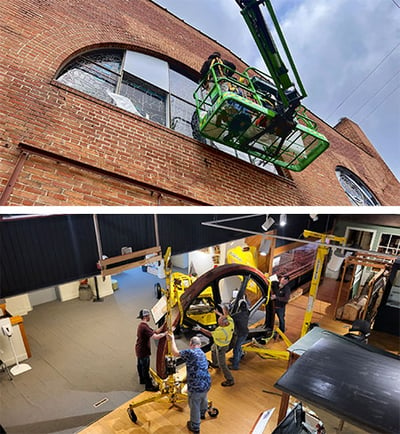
(322, 251)
(171, 389)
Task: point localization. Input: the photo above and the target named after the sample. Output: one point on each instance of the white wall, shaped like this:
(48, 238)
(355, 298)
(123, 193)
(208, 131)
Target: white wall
(180, 261)
(200, 262)
(41, 296)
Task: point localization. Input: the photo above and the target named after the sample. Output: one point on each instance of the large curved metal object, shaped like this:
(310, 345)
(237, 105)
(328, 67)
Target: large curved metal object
(248, 276)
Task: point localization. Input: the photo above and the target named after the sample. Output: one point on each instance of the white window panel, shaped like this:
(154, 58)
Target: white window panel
(150, 69)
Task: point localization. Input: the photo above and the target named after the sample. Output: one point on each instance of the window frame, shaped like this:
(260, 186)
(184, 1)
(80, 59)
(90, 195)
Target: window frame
(356, 184)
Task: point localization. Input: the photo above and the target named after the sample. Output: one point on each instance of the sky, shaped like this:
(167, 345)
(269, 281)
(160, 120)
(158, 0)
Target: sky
(347, 53)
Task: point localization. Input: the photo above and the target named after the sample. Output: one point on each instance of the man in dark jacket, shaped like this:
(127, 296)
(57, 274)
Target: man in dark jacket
(241, 321)
(281, 295)
(143, 349)
(220, 70)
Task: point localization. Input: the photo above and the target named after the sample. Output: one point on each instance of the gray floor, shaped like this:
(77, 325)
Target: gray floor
(82, 354)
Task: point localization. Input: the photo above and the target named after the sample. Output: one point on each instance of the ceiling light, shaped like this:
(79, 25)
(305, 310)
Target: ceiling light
(264, 247)
(269, 221)
(282, 220)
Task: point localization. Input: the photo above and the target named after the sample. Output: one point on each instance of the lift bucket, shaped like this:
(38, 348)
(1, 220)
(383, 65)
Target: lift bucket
(251, 121)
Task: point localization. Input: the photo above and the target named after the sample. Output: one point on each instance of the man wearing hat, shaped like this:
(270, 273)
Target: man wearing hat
(143, 349)
(225, 68)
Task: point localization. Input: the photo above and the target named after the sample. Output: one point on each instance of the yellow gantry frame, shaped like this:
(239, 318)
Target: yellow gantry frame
(322, 251)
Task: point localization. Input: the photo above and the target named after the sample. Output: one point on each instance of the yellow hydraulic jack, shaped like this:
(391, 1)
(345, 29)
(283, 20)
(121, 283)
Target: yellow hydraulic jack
(322, 251)
(269, 353)
(170, 388)
(260, 348)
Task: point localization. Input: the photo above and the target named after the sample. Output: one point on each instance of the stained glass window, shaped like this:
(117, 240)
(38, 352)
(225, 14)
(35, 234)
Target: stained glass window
(149, 101)
(94, 73)
(356, 190)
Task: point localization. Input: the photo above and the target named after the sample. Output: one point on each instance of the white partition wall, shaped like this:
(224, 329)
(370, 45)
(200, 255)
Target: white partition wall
(18, 305)
(68, 291)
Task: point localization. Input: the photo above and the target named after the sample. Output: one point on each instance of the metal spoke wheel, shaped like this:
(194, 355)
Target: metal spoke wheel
(250, 280)
(213, 412)
(158, 290)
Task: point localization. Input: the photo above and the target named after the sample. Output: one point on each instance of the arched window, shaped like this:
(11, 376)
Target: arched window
(143, 85)
(355, 189)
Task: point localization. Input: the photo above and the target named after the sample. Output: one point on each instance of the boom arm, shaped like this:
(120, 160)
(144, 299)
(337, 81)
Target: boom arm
(255, 21)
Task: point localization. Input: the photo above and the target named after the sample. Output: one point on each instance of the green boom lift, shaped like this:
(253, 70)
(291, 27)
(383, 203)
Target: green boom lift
(256, 113)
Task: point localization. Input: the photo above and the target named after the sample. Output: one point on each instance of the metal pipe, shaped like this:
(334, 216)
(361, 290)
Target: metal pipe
(100, 253)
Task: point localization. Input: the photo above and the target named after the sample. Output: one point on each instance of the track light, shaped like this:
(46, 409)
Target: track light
(314, 217)
(283, 220)
(269, 221)
(264, 247)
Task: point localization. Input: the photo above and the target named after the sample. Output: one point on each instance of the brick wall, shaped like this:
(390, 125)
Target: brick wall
(82, 151)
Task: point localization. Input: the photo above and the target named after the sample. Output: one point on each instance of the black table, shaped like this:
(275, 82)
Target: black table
(356, 382)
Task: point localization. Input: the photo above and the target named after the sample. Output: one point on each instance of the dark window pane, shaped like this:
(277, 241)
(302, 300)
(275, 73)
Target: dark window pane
(181, 116)
(149, 101)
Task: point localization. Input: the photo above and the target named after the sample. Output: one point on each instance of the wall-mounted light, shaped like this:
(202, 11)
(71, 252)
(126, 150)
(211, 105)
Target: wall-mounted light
(269, 221)
(264, 247)
(314, 217)
(283, 220)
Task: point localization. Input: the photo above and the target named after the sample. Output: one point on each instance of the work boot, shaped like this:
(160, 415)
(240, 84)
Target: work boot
(233, 368)
(190, 427)
(151, 388)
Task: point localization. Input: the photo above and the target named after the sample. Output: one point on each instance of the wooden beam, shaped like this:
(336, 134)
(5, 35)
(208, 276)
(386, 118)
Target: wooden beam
(128, 256)
(107, 265)
(121, 268)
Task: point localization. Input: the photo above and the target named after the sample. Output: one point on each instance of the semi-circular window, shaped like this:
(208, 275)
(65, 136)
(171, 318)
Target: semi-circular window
(355, 189)
(143, 85)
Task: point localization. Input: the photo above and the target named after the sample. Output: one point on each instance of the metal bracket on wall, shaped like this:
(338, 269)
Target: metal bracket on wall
(23, 156)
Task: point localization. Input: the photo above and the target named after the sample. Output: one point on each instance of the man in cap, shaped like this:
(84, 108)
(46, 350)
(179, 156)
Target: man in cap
(225, 68)
(143, 348)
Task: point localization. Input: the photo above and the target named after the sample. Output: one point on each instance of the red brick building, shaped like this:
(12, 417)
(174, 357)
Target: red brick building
(68, 138)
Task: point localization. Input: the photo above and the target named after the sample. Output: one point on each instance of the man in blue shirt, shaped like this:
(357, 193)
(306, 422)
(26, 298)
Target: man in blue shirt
(198, 380)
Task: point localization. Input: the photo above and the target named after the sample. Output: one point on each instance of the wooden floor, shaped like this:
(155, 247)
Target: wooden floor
(239, 406)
